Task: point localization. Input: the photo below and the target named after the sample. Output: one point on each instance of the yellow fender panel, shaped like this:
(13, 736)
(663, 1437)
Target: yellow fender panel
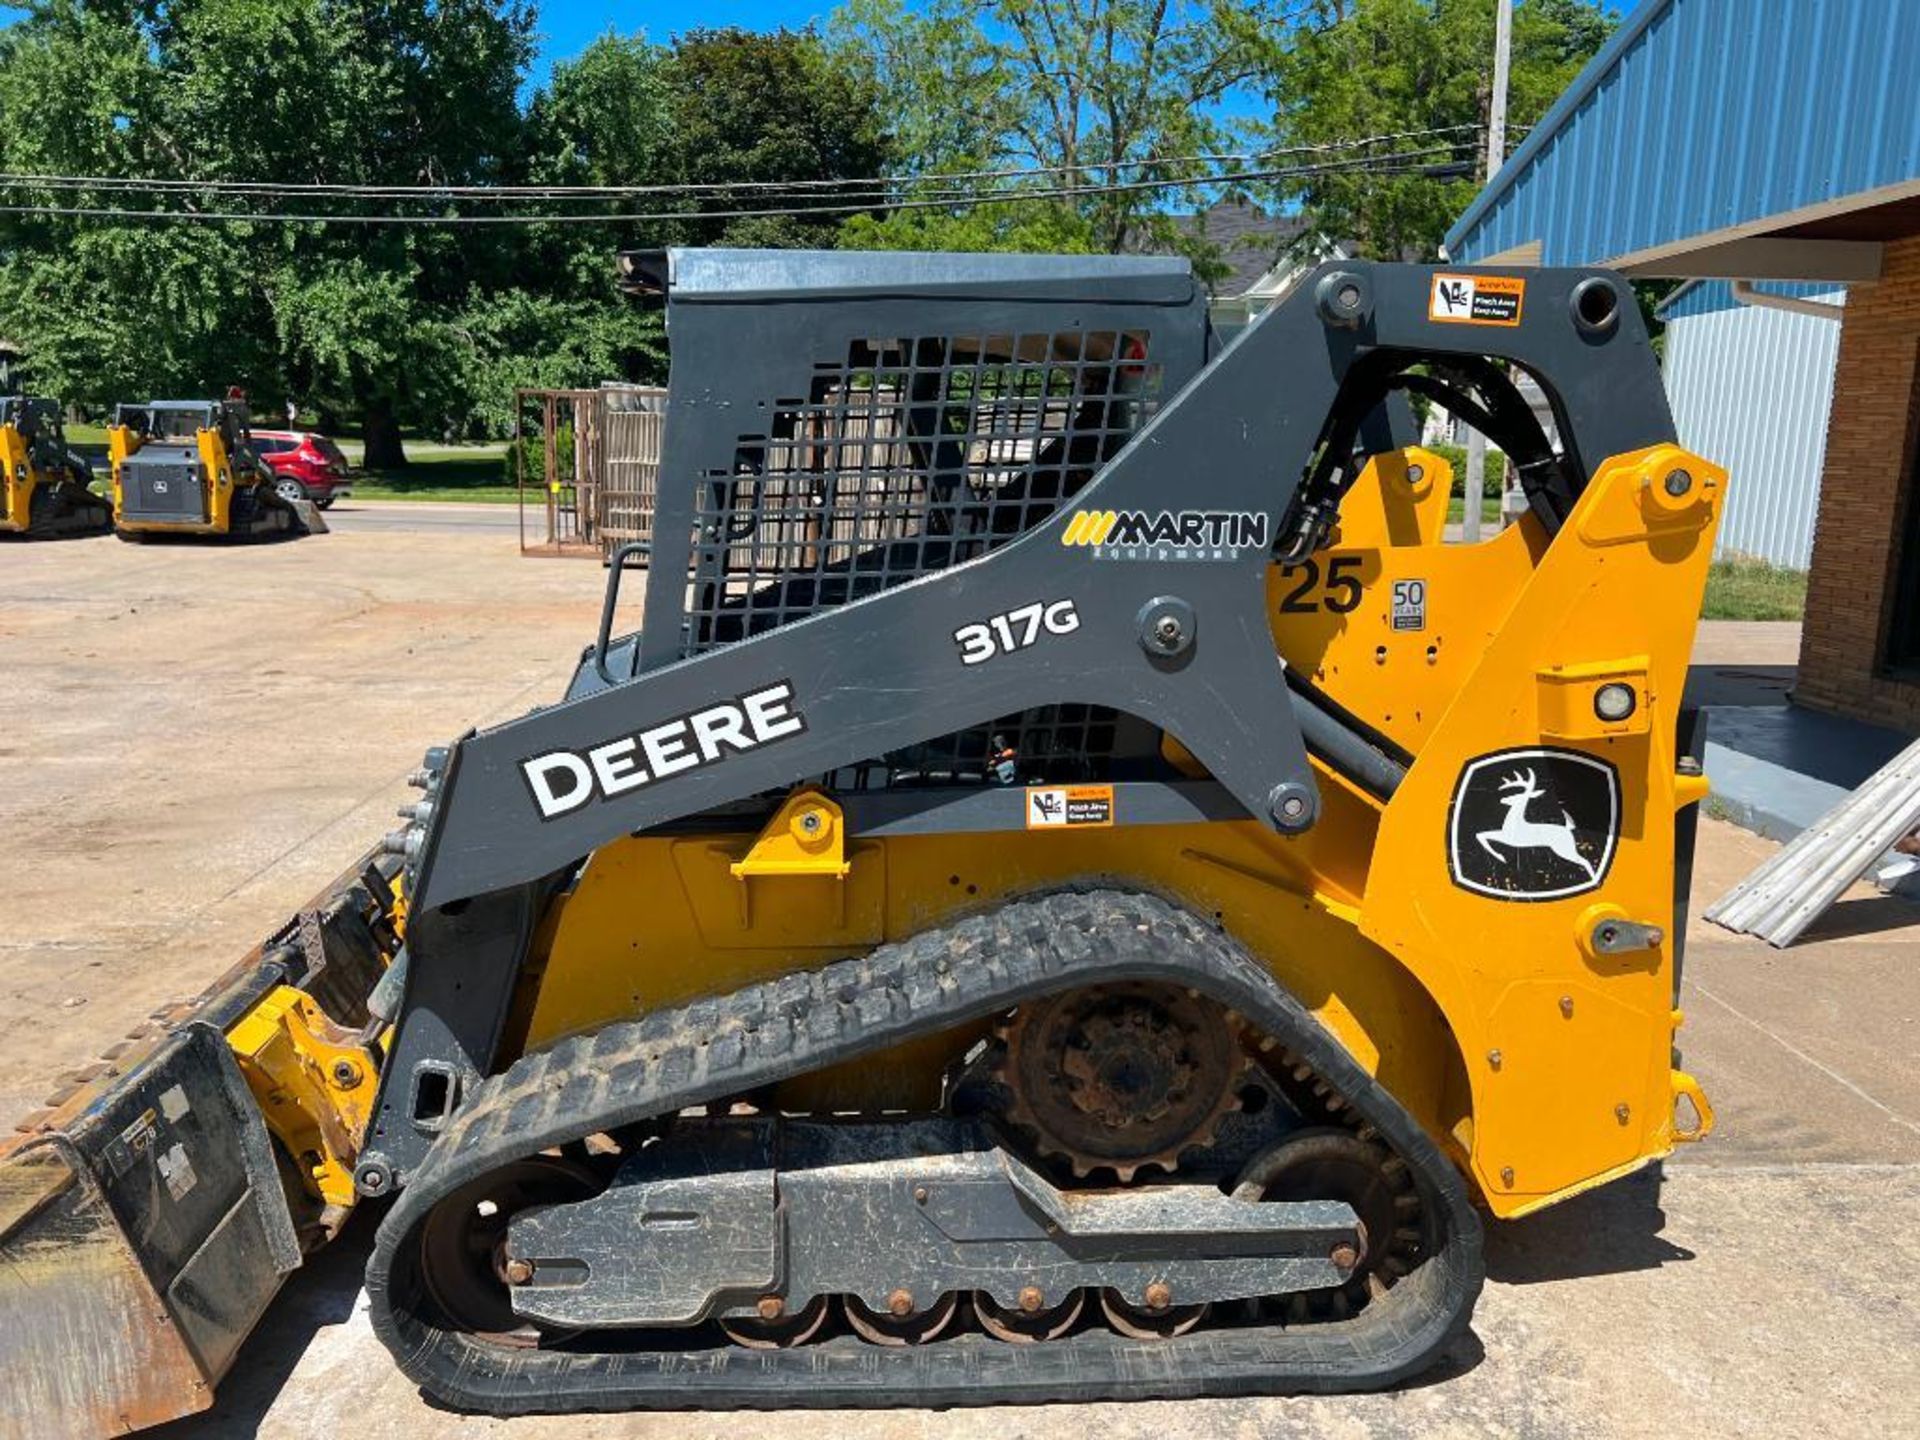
(1567, 1045)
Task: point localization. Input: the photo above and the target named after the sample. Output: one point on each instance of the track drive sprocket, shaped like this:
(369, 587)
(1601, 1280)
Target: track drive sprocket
(1120, 1077)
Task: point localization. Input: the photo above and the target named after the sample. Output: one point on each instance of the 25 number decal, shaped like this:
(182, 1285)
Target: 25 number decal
(1343, 592)
(1015, 630)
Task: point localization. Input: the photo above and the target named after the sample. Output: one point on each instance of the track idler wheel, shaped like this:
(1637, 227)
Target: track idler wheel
(776, 1328)
(1149, 1321)
(463, 1261)
(1330, 1164)
(901, 1323)
(1028, 1322)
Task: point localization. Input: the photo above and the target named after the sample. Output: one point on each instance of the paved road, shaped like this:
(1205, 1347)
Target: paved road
(323, 667)
(423, 516)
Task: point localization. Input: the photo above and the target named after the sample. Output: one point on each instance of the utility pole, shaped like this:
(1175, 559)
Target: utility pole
(1496, 157)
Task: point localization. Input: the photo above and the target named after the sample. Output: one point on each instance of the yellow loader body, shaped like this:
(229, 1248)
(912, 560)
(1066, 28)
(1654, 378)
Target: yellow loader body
(45, 489)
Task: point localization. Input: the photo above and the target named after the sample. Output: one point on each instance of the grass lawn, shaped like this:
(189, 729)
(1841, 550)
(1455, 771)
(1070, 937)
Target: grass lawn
(1742, 589)
(452, 475)
(1489, 514)
(410, 489)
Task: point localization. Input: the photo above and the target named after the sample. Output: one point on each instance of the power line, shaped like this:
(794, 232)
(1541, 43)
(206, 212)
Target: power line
(1401, 163)
(285, 189)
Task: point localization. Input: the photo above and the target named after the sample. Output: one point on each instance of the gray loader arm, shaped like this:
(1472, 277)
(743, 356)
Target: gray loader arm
(1174, 633)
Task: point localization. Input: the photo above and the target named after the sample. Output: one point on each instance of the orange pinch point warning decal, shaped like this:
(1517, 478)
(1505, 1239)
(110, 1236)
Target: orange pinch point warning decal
(1069, 807)
(1476, 299)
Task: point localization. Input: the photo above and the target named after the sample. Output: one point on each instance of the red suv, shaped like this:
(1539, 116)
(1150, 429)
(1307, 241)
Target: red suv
(306, 467)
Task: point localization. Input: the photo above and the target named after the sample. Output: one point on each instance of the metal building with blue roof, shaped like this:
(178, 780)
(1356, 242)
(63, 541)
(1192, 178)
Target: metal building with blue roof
(1735, 143)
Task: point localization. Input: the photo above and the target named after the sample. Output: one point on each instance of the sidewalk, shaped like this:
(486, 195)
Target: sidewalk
(1776, 767)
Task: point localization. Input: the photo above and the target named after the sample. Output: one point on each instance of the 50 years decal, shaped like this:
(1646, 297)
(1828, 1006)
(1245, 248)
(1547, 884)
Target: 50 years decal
(1014, 630)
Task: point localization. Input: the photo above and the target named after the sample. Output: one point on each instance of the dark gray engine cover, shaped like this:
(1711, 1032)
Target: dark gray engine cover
(163, 482)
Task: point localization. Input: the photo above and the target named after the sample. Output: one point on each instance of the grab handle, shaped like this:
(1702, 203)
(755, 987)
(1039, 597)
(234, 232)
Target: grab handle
(615, 566)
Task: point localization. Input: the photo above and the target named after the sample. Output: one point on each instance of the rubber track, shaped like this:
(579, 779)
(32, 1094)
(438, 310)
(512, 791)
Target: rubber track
(718, 1047)
(70, 522)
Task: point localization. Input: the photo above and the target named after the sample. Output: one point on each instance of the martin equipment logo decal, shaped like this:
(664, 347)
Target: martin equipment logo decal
(562, 781)
(1476, 300)
(1533, 824)
(1166, 534)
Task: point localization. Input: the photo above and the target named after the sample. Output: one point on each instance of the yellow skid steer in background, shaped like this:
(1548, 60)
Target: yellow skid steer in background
(45, 489)
(188, 467)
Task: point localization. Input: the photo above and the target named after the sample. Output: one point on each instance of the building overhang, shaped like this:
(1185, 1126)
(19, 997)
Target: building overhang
(1842, 241)
(1799, 168)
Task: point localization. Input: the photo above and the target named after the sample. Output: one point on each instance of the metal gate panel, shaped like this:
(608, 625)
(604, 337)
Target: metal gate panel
(588, 471)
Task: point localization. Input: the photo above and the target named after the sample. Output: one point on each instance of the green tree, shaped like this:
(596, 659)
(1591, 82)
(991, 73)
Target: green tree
(358, 321)
(1348, 69)
(720, 109)
(107, 311)
(1111, 92)
(755, 121)
(745, 109)
(1035, 226)
(400, 329)
(420, 92)
(600, 120)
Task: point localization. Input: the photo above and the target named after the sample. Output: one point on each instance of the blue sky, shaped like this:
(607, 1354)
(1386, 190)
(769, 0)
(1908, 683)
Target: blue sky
(568, 26)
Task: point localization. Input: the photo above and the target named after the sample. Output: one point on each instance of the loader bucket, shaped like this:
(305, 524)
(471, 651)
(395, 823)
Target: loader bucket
(308, 516)
(151, 1214)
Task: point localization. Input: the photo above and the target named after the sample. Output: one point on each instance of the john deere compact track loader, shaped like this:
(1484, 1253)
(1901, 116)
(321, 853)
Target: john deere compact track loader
(45, 488)
(1075, 889)
(188, 467)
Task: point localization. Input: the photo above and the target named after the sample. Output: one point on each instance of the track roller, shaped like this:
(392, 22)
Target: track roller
(777, 1329)
(900, 1323)
(1149, 1322)
(1028, 1322)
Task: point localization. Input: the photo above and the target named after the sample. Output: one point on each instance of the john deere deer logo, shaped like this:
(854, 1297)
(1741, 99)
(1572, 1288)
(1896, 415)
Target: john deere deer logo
(1533, 824)
(1517, 832)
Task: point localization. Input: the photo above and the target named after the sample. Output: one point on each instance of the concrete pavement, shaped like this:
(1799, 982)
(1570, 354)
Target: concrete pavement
(193, 739)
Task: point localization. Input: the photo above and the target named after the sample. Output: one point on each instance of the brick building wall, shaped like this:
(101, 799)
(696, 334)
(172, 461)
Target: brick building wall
(1866, 492)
